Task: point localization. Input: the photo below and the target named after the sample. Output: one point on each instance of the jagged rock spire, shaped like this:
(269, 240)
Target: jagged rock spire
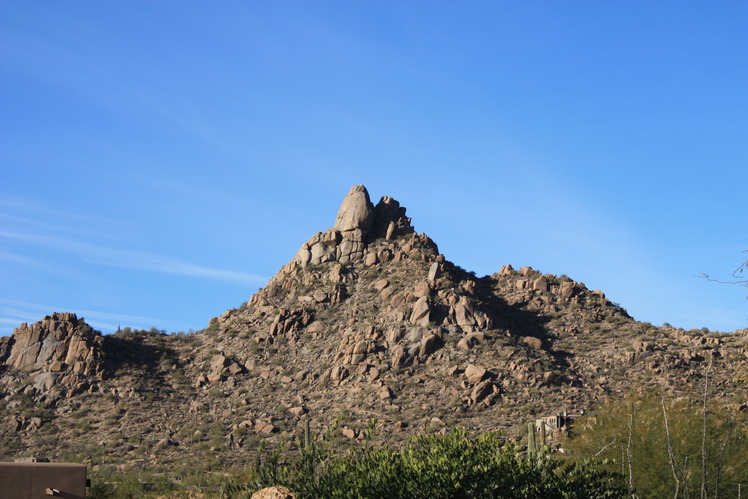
(356, 211)
(358, 222)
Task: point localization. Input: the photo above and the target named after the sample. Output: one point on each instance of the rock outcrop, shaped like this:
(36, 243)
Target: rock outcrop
(357, 224)
(60, 342)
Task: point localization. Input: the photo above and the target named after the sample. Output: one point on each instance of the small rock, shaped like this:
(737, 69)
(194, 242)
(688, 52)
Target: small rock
(371, 259)
(274, 493)
(399, 356)
(267, 428)
(218, 362)
(385, 393)
(539, 284)
(429, 344)
(315, 327)
(532, 342)
(474, 373)
(297, 411)
(422, 290)
(481, 390)
(381, 284)
(387, 293)
(164, 443)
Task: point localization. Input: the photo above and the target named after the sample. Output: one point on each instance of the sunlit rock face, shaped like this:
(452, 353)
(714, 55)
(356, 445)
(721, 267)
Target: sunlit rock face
(356, 211)
(59, 342)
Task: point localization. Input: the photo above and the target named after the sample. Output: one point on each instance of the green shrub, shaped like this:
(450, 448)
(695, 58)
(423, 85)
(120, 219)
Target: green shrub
(439, 466)
(132, 484)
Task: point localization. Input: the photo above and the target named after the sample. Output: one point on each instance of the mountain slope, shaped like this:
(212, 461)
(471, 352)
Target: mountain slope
(367, 321)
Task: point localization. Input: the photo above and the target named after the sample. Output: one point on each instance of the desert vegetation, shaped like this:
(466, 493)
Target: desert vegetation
(639, 447)
(449, 465)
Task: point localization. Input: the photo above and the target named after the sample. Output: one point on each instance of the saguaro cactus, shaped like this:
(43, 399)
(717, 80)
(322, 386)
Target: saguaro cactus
(531, 448)
(541, 444)
(307, 436)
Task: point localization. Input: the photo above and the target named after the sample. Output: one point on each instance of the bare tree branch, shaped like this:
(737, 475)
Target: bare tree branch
(605, 447)
(670, 453)
(703, 438)
(628, 447)
(737, 274)
(719, 463)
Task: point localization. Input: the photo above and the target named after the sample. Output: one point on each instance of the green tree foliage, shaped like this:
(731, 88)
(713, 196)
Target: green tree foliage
(670, 448)
(449, 466)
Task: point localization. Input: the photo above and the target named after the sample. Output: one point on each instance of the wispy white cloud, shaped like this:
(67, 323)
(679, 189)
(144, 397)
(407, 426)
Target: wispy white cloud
(10, 203)
(110, 88)
(23, 263)
(135, 260)
(17, 259)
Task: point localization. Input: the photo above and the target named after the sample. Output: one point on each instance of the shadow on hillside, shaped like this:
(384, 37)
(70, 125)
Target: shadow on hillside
(520, 322)
(139, 350)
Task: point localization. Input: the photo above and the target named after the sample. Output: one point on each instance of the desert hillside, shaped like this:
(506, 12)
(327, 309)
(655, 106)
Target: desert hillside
(369, 320)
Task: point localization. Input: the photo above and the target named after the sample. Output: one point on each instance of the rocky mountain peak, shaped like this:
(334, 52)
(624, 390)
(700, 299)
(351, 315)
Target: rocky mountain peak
(357, 224)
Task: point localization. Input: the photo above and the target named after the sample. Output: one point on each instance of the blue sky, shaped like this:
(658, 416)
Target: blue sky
(160, 160)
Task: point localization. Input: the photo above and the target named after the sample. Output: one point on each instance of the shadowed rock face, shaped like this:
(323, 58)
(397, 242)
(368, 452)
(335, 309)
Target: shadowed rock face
(5, 344)
(58, 342)
(389, 216)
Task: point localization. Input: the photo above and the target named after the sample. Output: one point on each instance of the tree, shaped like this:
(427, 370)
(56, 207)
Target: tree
(683, 448)
(739, 278)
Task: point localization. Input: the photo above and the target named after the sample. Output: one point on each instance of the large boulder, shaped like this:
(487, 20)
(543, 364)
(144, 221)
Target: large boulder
(421, 314)
(464, 313)
(356, 211)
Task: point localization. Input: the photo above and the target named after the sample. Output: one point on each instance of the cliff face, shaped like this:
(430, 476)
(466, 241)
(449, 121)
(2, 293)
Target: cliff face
(58, 343)
(368, 320)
